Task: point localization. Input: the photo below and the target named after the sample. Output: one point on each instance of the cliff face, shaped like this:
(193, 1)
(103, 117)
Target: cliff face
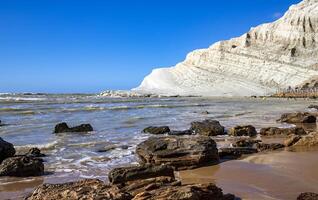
(271, 56)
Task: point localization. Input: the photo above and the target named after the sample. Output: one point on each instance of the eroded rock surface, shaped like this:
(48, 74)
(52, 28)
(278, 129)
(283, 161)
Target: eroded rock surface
(308, 196)
(179, 152)
(299, 117)
(273, 131)
(157, 130)
(243, 131)
(207, 128)
(309, 140)
(22, 166)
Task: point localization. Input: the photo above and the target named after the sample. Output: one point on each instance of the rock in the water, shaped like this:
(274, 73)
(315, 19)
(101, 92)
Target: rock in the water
(308, 140)
(313, 107)
(125, 174)
(207, 128)
(6, 150)
(292, 140)
(308, 196)
(243, 131)
(272, 131)
(157, 130)
(22, 166)
(186, 192)
(185, 132)
(35, 152)
(299, 117)
(179, 152)
(88, 189)
(269, 147)
(64, 128)
(233, 153)
(245, 143)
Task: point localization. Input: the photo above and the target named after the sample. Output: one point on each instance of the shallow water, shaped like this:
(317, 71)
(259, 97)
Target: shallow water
(30, 120)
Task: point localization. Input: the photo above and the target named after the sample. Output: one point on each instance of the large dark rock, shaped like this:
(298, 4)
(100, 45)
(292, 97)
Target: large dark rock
(125, 174)
(207, 128)
(186, 192)
(236, 152)
(299, 117)
(64, 128)
(157, 130)
(243, 131)
(308, 196)
(88, 189)
(6, 150)
(272, 131)
(179, 152)
(22, 166)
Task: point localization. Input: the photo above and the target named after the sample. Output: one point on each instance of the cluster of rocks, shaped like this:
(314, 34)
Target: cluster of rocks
(144, 182)
(29, 164)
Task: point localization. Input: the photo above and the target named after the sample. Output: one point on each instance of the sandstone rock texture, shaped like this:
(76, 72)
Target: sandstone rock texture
(273, 131)
(207, 128)
(268, 57)
(298, 117)
(22, 166)
(178, 152)
(157, 130)
(310, 140)
(243, 131)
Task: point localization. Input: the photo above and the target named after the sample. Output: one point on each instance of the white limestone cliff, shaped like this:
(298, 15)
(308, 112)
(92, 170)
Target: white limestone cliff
(269, 57)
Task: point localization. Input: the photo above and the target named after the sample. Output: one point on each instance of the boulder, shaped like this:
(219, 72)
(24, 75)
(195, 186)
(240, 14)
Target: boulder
(6, 150)
(307, 196)
(186, 192)
(64, 128)
(269, 147)
(234, 153)
(243, 131)
(157, 130)
(133, 173)
(178, 152)
(207, 128)
(245, 143)
(22, 166)
(299, 117)
(292, 140)
(272, 131)
(308, 140)
(185, 132)
(85, 189)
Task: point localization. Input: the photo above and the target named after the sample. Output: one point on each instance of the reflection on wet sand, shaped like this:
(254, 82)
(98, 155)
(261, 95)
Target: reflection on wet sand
(276, 175)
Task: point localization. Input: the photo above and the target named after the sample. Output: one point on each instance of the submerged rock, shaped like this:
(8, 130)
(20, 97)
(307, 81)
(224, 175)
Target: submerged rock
(186, 192)
(178, 152)
(207, 128)
(157, 130)
(299, 117)
(88, 189)
(125, 174)
(308, 140)
(271, 131)
(243, 131)
(64, 128)
(307, 196)
(6, 150)
(234, 153)
(22, 166)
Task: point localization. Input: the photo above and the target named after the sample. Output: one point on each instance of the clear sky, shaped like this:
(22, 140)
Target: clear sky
(93, 45)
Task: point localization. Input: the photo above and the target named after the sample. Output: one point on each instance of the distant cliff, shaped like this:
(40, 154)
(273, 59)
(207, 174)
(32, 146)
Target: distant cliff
(269, 57)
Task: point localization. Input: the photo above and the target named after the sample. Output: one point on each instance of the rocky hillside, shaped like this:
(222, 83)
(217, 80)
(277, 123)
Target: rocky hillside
(269, 57)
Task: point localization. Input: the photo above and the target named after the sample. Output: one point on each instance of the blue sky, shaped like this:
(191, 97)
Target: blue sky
(92, 45)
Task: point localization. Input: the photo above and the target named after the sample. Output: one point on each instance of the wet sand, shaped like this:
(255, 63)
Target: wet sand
(275, 175)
